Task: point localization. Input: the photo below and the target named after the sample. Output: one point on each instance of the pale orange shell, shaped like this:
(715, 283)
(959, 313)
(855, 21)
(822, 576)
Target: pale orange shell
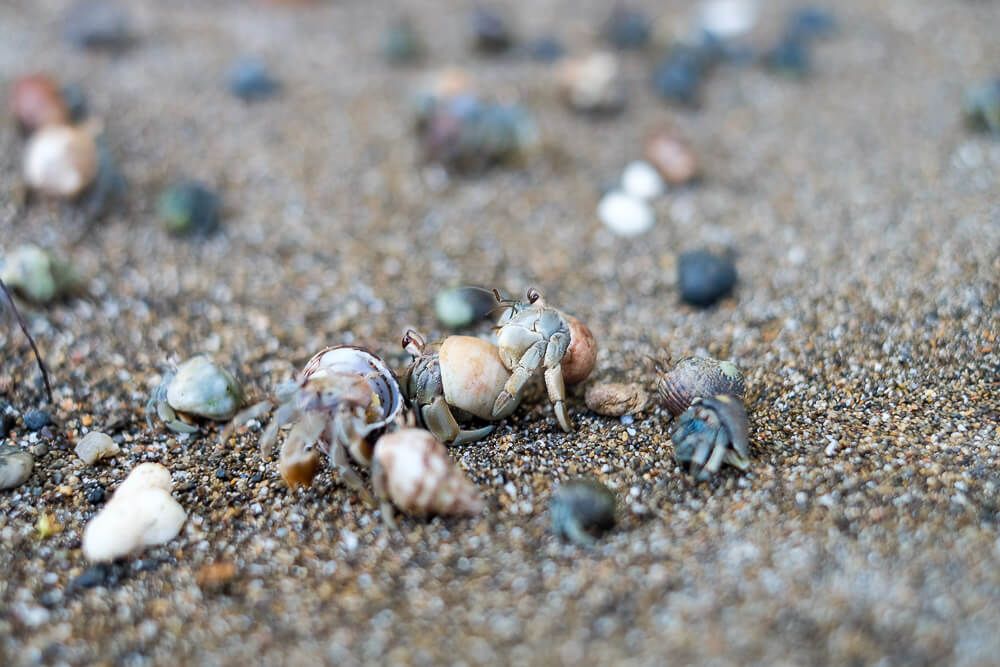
(420, 478)
(581, 356)
(472, 374)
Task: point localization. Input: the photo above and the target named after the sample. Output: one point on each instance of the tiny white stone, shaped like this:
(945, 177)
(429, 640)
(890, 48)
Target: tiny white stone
(95, 446)
(640, 179)
(141, 513)
(624, 214)
(727, 19)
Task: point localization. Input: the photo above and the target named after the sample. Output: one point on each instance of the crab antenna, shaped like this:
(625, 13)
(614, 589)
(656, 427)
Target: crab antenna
(31, 341)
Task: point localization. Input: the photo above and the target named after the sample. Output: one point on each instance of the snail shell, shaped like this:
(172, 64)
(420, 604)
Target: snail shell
(420, 478)
(698, 377)
(581, 355)
(472, 375)
(346, 359)
(36, 101)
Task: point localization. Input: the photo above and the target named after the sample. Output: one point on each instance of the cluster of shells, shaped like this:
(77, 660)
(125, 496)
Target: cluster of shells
(348, 408)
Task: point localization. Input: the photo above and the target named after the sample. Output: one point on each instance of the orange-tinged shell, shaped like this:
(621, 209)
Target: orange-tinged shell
(298, 469)
(60, 160)
(472, 374)
(36, 101)
(420, 478)
(581, 356)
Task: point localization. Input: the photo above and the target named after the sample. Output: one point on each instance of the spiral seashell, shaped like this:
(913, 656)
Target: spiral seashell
(698, 377)
(413, 471)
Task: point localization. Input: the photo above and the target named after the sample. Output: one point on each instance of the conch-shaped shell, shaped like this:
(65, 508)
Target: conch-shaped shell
(413, 471)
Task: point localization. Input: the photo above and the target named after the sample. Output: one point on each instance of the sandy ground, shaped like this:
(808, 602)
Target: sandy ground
(867, 223)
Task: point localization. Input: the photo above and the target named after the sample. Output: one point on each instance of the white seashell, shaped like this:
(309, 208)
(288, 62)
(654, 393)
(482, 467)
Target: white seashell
(95, 446)
(413, 471)
(593, 83)
(472, 374)
(640, 179)
(624, 214)
(354, 360)
(60, 160)
(141, 513)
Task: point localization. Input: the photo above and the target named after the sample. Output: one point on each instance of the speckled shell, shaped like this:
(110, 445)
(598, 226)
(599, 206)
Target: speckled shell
(698, 377)
(350, 359)
(472, 375)
(201, 388)
(581, 355)
(420, 478)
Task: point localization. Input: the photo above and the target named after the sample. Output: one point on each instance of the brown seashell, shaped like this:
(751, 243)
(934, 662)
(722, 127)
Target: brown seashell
(60, 160)
(413, 470)
(672, 157)
(613, 399)
(580, 358)
(298, 465)
(36, 101)
(698, 377)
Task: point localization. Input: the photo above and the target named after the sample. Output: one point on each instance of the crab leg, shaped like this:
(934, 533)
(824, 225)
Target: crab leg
(554, 378)
(382, 494)
(523, 371)
(440, 421)
(340, 461)
(721, 443)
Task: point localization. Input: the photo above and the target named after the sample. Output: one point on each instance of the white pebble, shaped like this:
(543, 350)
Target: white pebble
(624, 214)
(95, 446)
(141, 513)
(727, 19)
(640, 179)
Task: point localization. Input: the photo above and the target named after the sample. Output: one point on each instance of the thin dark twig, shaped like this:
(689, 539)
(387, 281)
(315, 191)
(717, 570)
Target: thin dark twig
(34, 348)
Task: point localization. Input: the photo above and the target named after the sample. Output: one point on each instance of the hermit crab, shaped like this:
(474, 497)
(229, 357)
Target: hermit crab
(342, 401)
(532, 335)
(462, 375)
(711, 432)
(198, 388)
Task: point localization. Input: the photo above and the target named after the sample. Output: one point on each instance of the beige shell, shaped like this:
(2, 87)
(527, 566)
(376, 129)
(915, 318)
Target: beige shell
(614, 400)
(581, 356)
(60, 160)
(414, 470)
(472, 374)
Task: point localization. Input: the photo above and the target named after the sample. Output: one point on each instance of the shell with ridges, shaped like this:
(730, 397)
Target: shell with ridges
(698, 377)
(413, 470)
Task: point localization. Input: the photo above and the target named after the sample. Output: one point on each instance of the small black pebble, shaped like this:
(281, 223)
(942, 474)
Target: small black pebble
(546, 49)
(76, 102)
(678, 77)
(704, 278)
(401, 43)
(582, 509)
(490, 33)
(249, 80)
(96, 575)
(627, 28)
(7, 419)
(190, 207)
(96, 24)
(51, 598)
(95, 495)
(256, 477)
(220, 474)
(790, 56)
(36, 420)
(810, 22)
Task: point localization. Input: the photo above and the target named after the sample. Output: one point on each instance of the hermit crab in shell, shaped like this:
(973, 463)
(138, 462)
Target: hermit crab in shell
(459, 378)
(533, 336)
(711, 432)
(341, 402)
(198, 388)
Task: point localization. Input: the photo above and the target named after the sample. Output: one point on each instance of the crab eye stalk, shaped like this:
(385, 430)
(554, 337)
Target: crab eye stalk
(533, 295)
